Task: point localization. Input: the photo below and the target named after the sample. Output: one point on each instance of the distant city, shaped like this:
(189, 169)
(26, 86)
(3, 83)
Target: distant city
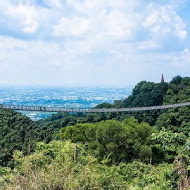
(60, 97)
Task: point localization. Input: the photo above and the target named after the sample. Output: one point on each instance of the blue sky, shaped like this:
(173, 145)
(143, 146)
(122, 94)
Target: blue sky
(93, 42)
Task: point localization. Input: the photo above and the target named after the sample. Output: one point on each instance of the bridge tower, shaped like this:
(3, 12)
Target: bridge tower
(162, 79)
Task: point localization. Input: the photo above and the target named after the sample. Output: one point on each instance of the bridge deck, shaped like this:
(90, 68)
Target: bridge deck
(57, 109)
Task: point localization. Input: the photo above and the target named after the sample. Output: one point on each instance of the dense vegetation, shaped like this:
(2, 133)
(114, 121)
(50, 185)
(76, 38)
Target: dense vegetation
(144, 94)
(53, 166)
(147, 150)
(18, 132)
(112, 140)
(178, 119)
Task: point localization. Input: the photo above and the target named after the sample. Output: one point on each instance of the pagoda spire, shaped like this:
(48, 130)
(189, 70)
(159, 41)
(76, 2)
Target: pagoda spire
(162, 79)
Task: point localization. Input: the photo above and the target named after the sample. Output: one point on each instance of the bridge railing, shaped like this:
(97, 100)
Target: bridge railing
(59, 109)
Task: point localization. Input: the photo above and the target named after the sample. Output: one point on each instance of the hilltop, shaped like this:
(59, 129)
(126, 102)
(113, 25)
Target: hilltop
(144, 150)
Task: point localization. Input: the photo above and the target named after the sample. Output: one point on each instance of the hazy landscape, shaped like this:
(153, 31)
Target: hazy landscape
(121, 150)
(94, 95)
(60, 97)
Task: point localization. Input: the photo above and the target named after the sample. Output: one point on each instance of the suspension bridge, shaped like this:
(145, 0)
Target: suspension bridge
(93, 110)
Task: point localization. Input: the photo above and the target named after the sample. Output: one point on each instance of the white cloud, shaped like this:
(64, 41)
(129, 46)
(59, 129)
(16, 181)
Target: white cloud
(87, 6)
(26, 16)
(94, 41)
(147, 45)
(115, 23)
(182, 59)
(165, 20)
(180, 28)
(71, 27)
(186, 50)
(50, 63)
(118, 24)
(54, 3)
(98, 25)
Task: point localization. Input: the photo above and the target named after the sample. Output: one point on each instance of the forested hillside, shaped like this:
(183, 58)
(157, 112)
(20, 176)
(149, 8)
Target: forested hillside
(178, 119)
(18, 132)
(144, 94)
(147, 150)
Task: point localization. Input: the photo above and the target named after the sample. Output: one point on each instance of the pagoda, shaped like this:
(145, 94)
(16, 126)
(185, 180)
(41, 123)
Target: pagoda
(162, 79)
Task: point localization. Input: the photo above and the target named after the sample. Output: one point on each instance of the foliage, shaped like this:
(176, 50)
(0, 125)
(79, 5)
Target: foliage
(178, 119)
(144, 94)
(55, 166)
(173, 144)
(101, 150)
(177, 150)
(18, 132)
(113, 141)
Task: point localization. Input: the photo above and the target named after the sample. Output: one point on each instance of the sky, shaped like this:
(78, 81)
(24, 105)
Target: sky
(113, 43)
